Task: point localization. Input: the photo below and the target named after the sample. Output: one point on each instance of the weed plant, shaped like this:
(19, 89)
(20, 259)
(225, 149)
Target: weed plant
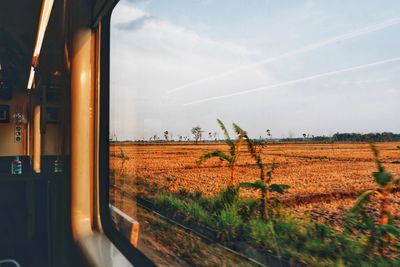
(383, 237)
(231, 158)
(228, 223)
(366, 241)
(169, 203)
(195, 212)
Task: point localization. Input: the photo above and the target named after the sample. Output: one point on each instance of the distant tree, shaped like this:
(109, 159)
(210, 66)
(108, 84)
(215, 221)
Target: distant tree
(369, 137)
(166, 135)
(155, 137)
(269, 133)
(210, 135)
(197, 133)
(215, 135)
(304, 135)
(113, 137)
(180, 138)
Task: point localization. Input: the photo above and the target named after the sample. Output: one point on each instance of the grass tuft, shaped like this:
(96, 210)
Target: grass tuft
(195, 212)
(228, 223)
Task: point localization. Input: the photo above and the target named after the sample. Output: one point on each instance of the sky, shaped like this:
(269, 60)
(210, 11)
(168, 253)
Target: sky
(294, 67)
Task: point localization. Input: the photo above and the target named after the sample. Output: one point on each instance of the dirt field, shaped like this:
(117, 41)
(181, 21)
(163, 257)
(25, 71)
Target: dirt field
(324, 178)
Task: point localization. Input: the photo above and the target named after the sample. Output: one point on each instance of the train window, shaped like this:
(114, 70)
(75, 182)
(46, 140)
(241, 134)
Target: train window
(262, 132)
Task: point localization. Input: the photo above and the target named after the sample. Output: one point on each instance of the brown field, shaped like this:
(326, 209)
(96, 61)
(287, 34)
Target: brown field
(324, 178)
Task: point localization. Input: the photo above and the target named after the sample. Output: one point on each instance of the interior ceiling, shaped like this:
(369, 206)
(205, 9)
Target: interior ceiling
(51, 58)
(19, 20)
(18, 28)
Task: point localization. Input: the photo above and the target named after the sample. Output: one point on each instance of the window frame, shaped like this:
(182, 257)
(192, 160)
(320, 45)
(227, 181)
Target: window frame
(134, 255)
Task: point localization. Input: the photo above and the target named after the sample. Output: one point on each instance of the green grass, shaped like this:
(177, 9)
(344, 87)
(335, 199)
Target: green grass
(195, 212)
(217, 203)
(247, 209)
(301, 240)
(363, 242)
(228, 222)
(169, 203)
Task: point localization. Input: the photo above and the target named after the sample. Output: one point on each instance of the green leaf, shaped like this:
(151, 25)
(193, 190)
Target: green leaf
(369, 223)
(390, 229)
(280, 188)
(248, 185)
(260, 184)
(228, 139)
(239, 131)
(214, 154)
(256, 185)
(382, 178)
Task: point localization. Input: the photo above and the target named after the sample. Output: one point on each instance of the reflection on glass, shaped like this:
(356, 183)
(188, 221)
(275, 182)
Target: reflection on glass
(247, 125)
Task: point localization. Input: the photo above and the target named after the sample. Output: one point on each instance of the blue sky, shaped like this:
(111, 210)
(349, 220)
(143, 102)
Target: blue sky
(294, 67)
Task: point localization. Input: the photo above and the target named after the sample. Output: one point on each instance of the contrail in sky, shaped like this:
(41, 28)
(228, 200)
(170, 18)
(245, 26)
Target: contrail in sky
(308, 78)
(347, 36)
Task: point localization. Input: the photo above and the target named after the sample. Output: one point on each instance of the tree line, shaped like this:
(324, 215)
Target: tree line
(198, 135)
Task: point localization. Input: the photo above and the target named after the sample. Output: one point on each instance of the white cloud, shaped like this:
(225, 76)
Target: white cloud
(150, 56)
(151, 59)
(125, 13)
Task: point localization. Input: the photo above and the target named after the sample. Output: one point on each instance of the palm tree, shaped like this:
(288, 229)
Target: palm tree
(215, 134)
(166, 135)
(231, 158)
(264, 184)
(269, 133)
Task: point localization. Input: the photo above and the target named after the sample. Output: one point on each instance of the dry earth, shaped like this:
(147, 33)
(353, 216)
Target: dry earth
(324, 178)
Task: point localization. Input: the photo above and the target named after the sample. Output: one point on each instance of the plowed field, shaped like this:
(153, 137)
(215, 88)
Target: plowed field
(324, 178)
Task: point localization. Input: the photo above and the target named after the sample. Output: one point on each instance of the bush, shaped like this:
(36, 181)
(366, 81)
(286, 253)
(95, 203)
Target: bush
(169, 203)
(197, 195)
(196, 213)
(247, 209)
(260, 231)
(228, 223)
(224, 198)
(184, 193)
(290, 232)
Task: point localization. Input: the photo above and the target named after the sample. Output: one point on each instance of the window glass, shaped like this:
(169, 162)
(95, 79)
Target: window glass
(256, 132)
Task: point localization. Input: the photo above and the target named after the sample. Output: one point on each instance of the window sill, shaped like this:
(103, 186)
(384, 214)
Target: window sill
(99, 251)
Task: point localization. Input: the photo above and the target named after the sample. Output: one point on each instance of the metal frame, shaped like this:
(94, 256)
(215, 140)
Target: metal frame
(135, 256)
